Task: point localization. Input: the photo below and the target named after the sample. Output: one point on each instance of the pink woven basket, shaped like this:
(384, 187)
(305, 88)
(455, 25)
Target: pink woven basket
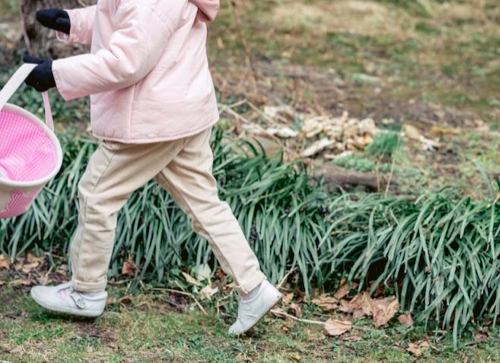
(30, 153)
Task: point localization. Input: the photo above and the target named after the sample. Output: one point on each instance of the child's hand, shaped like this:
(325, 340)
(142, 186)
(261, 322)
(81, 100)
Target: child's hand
(41, 78)
(56, 19)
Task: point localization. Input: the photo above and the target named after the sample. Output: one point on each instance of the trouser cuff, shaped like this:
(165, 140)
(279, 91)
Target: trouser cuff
(88, 286)
(248, 285)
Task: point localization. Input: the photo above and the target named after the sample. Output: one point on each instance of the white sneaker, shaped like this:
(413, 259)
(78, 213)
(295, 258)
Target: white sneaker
(64, 299)
(251, 311)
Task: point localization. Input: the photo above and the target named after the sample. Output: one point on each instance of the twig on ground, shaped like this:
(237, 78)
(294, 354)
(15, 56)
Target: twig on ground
(46, 277)
(185, 293)
(280, 312)
(316, 322)
(229, 110)
(256, 109)
(226, 108)
(283, 280)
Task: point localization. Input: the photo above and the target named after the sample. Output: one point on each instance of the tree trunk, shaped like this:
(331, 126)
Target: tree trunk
(40, 41)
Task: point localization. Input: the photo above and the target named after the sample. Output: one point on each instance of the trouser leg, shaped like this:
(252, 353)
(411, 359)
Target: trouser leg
(188, 178)
(114, 172)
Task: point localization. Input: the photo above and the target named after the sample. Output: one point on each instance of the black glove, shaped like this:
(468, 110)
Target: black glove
(41, 78)
(56, 19)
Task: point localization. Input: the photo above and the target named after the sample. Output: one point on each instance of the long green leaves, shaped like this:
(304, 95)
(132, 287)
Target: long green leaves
(438, 253)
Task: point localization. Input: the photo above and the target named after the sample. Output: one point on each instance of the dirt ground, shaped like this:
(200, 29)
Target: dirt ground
(431, 65)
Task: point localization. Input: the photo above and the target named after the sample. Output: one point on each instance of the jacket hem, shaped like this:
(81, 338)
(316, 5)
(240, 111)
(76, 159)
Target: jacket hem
(159, 139)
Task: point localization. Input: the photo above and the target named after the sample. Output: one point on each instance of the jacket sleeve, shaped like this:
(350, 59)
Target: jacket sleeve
(134, 48)
(82, 23)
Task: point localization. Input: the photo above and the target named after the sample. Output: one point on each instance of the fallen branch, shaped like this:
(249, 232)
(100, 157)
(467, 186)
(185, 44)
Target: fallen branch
(336, 176)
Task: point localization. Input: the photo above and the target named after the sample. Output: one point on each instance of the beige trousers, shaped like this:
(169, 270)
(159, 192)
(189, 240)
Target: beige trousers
(184, 168)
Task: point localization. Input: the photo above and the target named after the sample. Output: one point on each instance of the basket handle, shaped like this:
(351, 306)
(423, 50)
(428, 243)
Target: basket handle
(15, 82)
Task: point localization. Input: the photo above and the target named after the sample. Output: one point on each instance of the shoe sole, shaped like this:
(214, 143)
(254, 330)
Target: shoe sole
(259, 317)
(87, 314)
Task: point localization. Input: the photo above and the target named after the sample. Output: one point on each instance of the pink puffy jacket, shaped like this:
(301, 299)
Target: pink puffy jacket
(147, 73)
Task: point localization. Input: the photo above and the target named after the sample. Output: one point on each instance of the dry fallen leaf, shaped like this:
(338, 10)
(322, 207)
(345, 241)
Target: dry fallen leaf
(191, 279)
(481, 335)
(296, 357)
(336, 327)
(26, 267)
(284, 132)
(295, 310)
(344, 289)
(428, 144)
(384, 310)
(437, 131)
(23, 282)
(287, 298)
(209, 291)
(406, 320)
(4, 262)
(279, 313)
(273, 111)
(28, 262)
(412, 132)
(345, 307)
(362, 142)
(378, 290)
(129, 268)
(31, 258)
(111, 300)
(326, 302)
(361, 305)
(418, 348)
(317, 147)
(127, 299)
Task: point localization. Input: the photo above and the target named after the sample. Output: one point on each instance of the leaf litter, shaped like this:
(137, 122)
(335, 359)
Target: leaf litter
(381, 309)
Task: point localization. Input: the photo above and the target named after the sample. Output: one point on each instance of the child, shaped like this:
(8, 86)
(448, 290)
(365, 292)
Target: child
(153, 105)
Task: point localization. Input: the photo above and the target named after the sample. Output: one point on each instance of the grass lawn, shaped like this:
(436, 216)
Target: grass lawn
(148, 329)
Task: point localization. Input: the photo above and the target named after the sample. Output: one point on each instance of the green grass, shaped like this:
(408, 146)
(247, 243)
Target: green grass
(419, 50)
(154, 334)
(9, 7)
(385, 145)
